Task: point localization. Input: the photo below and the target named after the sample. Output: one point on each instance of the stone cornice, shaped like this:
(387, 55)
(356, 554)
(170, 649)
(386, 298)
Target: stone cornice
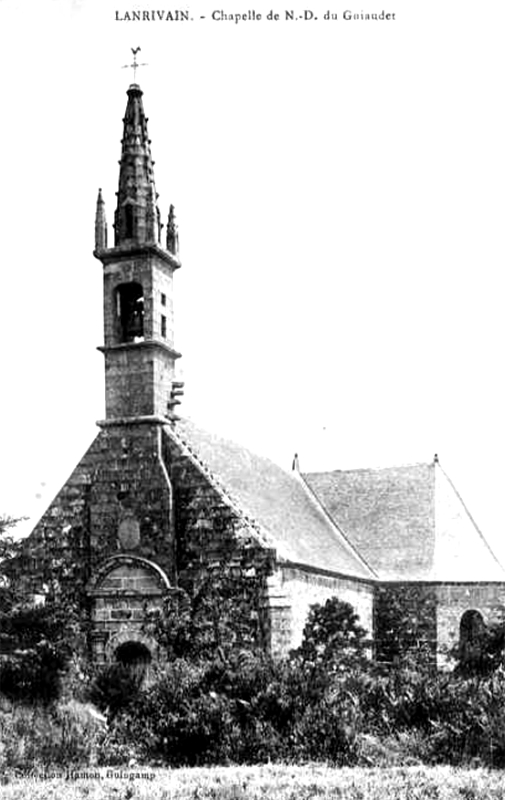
(111, 254)
(146, 344)
(146, 419)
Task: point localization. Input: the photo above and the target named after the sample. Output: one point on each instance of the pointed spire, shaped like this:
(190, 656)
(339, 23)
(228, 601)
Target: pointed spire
(100, 224)
(136, 212)
(172, 233)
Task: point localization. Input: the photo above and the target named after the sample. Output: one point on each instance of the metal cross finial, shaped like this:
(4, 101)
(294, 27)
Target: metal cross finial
(135, 65)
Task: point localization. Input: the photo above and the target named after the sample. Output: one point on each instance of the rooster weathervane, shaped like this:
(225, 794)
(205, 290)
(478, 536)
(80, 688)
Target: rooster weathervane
(135, 64)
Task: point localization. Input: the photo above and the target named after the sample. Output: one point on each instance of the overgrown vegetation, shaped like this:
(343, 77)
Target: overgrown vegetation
(35, 640)
(327, 701)
(218, 700)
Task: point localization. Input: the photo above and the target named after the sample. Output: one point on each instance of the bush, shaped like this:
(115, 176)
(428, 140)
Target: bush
(35, 646)
(170, 719)
(113, 688)
(327, 701)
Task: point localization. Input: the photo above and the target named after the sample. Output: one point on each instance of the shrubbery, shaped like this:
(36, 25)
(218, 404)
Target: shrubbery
(35, 649)
(35, 640)
(327, 701)
(215, 704)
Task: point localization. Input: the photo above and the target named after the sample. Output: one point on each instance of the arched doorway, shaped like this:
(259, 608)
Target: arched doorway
(123, 592)
(471, 628)
(135, 657)
(472, 641)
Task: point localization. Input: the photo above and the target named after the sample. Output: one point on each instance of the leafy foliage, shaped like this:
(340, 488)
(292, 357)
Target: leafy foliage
(333, 639)
(483, 653)
(405, 628)
(211, 623)
(240, 705)
(36, 647)
(214, 703)
(35, 641)
(113, 688)
(8, 550)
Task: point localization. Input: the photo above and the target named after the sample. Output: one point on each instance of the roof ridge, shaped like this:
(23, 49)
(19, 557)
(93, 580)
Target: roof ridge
(369, 469)
(469, 515)
(335, 526)
(249, 520)
(288, 520)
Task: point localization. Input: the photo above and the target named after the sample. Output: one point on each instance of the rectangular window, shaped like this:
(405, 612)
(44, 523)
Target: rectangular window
(163, 326)
(163, 299)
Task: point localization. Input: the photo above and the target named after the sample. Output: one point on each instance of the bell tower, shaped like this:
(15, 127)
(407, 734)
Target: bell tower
(138, 277)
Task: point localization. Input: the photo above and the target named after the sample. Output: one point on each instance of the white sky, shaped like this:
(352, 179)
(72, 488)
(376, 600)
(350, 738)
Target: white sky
(339, 188)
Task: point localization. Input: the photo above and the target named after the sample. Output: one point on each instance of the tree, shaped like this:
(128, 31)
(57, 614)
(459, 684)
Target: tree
(9, 550)
(214, 622)
(333, 639)
(34, 641)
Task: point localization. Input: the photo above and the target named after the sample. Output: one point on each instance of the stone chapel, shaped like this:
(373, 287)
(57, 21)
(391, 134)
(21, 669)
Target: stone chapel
(156, 503)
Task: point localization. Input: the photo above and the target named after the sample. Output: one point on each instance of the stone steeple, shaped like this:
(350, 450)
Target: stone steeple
(138, 273)
(137, 215)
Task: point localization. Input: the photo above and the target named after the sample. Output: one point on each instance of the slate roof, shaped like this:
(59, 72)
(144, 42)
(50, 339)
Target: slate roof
(279, 502)
(408, 522)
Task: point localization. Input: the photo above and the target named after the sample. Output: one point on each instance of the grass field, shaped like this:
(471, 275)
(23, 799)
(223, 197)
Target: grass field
(269, 782)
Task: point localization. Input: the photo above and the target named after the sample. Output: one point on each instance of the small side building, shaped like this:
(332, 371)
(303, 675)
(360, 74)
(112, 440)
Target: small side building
(437, 577)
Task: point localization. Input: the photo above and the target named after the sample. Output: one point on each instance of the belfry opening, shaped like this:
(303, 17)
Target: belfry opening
(130, 312)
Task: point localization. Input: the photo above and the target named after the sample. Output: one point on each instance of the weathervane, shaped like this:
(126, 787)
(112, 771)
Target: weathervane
(135, 65)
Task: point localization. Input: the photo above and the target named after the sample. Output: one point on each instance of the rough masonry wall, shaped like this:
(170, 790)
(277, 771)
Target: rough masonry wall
(410, 617)
(138, 380)
(155, 277)
(295, 590)
(215, 544)
(130, 489)
(405, 621)
(124, 591)
(453, 599)
(117, 500)
(56, 555)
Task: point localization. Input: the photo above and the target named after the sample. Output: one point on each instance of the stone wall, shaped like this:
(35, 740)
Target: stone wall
(405, 621)
(154, 272)
(138, 494)
(123, 592)
(117, 500)
(139, 374)
(427, 615)
(293, 590)
(138, 379)
(216, 545)
(131, 498)
(453, 599)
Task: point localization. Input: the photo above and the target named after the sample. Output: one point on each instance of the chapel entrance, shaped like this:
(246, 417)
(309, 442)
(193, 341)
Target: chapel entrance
(136, 657)
(124, 591)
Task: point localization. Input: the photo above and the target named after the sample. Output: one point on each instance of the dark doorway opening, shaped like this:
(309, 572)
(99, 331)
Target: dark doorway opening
(135, 657)
(472, 642)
